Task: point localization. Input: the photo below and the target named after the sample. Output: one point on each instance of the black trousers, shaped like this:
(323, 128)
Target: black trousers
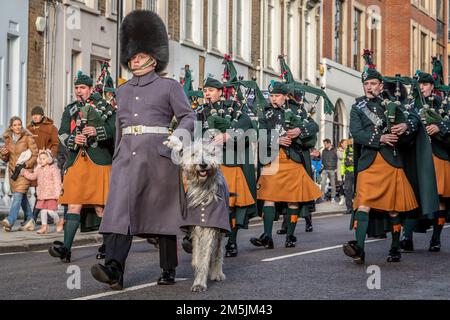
(118, 246)
(349, 190)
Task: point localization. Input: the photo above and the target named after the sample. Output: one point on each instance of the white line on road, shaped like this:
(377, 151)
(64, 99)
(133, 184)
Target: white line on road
(311, 251)
(46, 250)
(322, 249)
(315, 218)
(111, 293)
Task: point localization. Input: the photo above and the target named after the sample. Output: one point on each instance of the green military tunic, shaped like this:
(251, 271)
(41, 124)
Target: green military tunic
(367, 124)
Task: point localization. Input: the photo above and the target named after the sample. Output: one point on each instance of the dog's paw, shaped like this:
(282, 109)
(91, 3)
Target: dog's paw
(198, 288)
(218, 277)
(174, 143)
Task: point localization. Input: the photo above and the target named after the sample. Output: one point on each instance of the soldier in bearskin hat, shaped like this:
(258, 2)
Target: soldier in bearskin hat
(146, 198)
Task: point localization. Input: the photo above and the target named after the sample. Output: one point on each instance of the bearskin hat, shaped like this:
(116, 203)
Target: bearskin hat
(143, 31)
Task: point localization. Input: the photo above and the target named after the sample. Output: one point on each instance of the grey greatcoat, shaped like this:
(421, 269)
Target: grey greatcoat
(214, 215)
(145, 195)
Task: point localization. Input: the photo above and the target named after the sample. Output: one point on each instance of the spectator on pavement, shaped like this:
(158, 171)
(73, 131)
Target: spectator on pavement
(18, 140)
(46, 136)
(329, 163)
(48, 178)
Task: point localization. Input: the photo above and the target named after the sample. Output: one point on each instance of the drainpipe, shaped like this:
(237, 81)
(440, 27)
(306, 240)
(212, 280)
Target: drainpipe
(261, 45)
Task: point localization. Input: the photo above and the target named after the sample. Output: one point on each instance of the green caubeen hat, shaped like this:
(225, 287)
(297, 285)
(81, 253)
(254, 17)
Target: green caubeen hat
(213, 83)
(278, 88)
(370, 72)
(83, 78)
(425, 78)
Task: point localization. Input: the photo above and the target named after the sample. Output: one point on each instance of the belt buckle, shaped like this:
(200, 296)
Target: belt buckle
(136, 130)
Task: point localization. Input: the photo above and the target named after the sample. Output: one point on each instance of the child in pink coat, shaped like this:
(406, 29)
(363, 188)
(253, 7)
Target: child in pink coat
(49, 185)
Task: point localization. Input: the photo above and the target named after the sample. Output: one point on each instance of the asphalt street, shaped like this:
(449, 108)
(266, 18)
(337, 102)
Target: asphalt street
(315, 269)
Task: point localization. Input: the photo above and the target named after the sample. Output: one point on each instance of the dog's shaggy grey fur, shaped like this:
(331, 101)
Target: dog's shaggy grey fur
(200, 167)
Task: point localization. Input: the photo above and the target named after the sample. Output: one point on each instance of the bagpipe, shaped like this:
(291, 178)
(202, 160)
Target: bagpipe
(297, 93)
(105, 85)
(87, 116)
(296, 117)
(394, 99)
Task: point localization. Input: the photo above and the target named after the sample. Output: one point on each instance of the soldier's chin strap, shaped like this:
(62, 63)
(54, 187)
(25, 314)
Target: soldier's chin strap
(147, 64)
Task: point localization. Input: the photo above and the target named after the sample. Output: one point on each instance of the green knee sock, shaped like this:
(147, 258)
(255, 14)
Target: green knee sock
(361, 224)
(438, 225)
(395, 231)
(269, 217)
(292, 216)
(70, 229)
(232, 235)
(408, 229)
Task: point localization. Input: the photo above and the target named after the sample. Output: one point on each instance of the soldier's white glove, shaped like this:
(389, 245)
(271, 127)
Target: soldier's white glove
(174, 143)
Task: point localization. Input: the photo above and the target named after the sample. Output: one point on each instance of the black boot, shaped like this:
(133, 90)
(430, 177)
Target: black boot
(435, 246)
(263, 241)
(154, 241)
(58, 250)
(394, 255)
(101, 252)
(167, 277)
(111, 274)
(407, 245)
(290, 241)
(186, 243)
(282, 231)
(231, 250)
(308, 224)
(352, 250)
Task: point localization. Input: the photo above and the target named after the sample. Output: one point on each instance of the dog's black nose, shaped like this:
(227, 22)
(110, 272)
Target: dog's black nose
(203, 166)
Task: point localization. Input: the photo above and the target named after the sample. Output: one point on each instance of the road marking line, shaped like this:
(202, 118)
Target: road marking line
(324, 249)
(311, 251)
(315, 218)
(111, 293)
(46, 250)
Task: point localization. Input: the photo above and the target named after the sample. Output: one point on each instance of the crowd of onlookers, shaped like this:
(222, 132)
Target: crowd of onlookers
(333, 169)
(34, 158)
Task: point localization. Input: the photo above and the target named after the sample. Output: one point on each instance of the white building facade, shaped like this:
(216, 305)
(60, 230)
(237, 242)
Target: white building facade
(13, 60)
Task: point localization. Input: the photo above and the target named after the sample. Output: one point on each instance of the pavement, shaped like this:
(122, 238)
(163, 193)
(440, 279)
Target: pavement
(17, 241)
(315, 269)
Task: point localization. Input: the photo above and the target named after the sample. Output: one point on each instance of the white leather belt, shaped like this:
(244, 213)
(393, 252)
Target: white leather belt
(138, 130)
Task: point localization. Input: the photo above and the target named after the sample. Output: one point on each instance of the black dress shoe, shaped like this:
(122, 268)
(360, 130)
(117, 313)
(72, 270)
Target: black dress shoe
(435, 246)
(263, 241)
(101, 252)
(394, 255)
(231, 250)
(407, 245)
(290, 241)
(110, 274)
(352, 250)
(282, 231)
(186, 243)
(167, 277)
(59, 251)
(308, 224)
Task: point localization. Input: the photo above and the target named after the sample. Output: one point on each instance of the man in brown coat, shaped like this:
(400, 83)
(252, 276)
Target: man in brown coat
(45, 135)
(44, 131)
(146, 197)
